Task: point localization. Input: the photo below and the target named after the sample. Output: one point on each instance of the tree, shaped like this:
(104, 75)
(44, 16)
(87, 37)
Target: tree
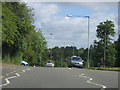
(117, 43)
(105, 48)
(20, 38)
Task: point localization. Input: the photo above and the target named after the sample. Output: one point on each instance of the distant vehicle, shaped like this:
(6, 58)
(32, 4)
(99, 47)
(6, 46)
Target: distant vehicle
(76, 61)
(24, 63)
(49, 63)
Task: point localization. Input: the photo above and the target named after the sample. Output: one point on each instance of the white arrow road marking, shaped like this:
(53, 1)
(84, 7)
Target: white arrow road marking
(90, 81)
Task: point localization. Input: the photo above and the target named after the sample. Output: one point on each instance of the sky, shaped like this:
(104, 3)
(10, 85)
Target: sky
(60, 30)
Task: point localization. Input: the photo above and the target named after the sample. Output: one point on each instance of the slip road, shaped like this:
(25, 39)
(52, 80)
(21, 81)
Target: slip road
(45, 77)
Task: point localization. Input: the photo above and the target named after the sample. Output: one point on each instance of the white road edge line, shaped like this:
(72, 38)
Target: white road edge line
(90, 79)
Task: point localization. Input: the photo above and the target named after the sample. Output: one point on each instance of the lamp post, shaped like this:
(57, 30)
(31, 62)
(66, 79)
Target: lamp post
(73, 49)
(88, 17)
(51, 34)
(50, 50)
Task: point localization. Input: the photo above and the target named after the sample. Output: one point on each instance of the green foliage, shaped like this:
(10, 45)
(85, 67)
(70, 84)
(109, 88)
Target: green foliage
(103, 52)
(117, 45)
(61, 55)
(20, 39)
(9, 30)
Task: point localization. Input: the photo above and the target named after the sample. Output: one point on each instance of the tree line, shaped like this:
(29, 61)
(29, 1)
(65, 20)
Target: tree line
(20, 38)
(104, 52)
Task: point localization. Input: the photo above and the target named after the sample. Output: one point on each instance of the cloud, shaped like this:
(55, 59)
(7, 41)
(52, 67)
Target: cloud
(43, 12)
(73, 30)
(95, 6)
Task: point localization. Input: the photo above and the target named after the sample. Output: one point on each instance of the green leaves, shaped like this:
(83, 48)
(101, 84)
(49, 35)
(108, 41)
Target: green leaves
(104, 49)
(19, 34)
(9, 30)
(107, 28)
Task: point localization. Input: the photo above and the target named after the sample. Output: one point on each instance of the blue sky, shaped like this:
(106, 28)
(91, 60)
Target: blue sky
(51, 16)
(74, 11)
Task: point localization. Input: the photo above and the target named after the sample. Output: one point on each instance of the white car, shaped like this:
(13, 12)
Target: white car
(49, 63)
(24, 63)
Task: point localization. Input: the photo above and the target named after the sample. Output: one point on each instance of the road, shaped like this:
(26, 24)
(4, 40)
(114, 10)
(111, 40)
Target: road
(46, 77)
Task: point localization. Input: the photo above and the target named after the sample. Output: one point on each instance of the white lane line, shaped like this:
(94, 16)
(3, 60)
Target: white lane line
(90, 81)
(17, 74)
(23, 70)
(28, 68)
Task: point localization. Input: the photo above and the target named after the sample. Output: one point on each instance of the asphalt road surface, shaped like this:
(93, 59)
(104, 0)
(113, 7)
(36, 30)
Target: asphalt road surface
(46, 77)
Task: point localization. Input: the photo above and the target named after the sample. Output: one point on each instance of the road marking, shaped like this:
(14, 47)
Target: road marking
(17, 74)
(13, 72)
(7, 79)
(90, 81)
(23, 70)
(28, 68)
(6, 74)
(1, 76)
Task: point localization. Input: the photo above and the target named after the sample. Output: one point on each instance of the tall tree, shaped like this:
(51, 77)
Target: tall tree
(105, 47)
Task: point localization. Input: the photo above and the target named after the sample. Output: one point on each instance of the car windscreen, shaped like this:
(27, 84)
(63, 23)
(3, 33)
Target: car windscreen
(76, 59)
(49, 61)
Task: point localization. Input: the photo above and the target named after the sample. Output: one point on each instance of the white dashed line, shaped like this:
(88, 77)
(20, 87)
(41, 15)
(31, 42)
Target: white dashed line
(90, 79)
(28, 68)
(23, 70)
(17, 74)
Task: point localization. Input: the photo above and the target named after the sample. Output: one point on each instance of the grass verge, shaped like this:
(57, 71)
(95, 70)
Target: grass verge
(106, 68)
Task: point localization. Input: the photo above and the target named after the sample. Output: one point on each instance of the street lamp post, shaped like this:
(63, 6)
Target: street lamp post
(88, 33)
(51, 34)
(88, 40)
(73, 49)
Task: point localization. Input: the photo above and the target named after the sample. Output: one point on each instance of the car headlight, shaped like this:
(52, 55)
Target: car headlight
(80, 63)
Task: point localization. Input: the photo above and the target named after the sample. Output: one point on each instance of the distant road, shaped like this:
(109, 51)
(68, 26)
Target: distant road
(43, 77)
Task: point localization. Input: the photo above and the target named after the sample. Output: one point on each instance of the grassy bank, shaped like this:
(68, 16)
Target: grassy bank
(106, 68)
